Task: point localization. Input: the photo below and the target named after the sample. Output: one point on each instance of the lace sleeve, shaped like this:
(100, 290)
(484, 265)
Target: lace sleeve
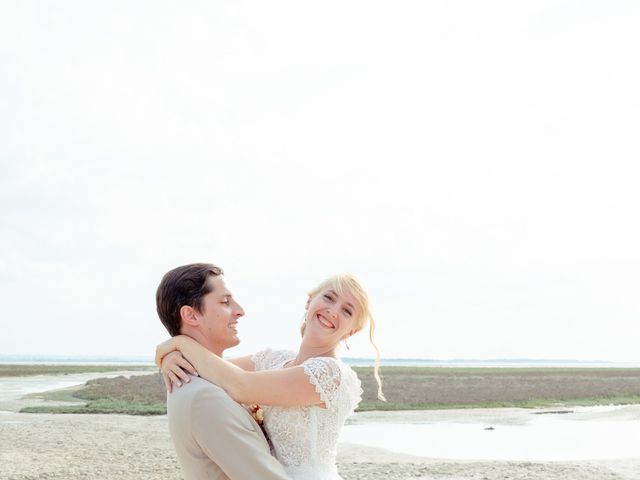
(270, 358)
(324, 374)
(260, 359)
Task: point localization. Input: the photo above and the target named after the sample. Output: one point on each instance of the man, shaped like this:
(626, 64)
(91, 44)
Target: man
(214, 437)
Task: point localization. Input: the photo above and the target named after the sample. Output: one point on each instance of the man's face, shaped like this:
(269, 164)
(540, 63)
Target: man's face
(219, 315)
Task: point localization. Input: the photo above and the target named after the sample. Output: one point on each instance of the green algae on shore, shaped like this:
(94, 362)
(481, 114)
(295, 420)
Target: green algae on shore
(406, 388)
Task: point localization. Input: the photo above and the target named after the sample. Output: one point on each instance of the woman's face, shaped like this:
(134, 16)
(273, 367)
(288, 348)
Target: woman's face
(331, 317)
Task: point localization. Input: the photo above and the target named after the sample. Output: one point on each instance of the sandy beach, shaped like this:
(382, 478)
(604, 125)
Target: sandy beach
(48, 446)
(87, 446)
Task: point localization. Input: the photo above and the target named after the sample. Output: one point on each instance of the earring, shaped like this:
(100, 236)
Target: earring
(345, 343)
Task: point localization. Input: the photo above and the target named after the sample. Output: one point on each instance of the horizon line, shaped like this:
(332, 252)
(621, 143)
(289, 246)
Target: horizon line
(149, 358)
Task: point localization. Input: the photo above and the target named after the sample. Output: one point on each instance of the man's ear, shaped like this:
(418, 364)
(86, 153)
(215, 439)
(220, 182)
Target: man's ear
(188, 316)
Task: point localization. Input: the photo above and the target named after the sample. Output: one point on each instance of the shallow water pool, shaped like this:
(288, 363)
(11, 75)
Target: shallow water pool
(540, 438)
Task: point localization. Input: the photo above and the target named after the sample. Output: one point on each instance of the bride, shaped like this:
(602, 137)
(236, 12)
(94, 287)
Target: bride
(304, 396)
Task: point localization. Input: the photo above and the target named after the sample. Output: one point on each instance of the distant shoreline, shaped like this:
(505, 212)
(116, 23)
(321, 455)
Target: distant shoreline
(355, 362)
(31, 369)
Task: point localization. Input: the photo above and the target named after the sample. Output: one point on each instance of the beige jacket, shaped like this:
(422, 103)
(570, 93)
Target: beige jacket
(216, 438)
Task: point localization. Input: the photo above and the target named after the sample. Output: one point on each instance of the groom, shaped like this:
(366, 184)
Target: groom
(214, 437)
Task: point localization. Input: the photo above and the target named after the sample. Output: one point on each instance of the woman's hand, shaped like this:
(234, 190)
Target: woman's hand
(175, 370)
(164, 349)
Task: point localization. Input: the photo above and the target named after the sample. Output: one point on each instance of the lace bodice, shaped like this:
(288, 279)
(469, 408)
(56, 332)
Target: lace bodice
(305, 439)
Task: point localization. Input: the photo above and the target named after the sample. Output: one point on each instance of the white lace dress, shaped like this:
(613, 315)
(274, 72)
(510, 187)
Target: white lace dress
(305, 439)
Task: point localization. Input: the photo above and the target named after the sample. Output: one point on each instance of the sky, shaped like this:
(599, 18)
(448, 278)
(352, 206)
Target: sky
(474, 164)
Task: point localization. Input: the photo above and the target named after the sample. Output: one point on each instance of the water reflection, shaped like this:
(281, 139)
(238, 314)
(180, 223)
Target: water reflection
(540, 438)
(12, 389)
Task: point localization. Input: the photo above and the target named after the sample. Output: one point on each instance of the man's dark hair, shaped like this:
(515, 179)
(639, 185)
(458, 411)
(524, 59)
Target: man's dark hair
(182, 286)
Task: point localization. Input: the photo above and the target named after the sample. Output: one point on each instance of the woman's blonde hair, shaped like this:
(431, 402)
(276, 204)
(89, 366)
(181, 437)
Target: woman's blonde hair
(342, 284)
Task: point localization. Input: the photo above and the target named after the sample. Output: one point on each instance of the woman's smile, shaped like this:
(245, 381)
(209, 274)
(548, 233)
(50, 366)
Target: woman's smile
(324, 321)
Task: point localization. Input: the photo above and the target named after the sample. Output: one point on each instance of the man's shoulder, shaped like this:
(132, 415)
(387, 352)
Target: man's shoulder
(195, 388)
(199, 399)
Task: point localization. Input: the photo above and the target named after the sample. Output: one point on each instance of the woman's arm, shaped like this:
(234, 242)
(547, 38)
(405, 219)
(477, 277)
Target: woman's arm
(284, 387)
(244, 363)
(175, 369)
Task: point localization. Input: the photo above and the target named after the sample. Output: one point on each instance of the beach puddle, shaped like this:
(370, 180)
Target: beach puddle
(14, 389)
(539, 438)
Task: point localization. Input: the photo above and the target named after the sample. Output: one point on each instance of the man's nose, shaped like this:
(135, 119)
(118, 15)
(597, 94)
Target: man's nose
(239, 311)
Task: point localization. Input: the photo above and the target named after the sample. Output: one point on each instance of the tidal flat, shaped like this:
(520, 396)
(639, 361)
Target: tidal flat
(131, 447)
(406, 388)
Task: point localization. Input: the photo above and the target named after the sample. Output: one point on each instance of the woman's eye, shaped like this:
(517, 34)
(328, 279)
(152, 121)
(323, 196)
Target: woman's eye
(348, 312)
(327, 296)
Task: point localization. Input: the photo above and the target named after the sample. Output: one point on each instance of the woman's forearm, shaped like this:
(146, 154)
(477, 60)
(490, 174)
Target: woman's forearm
(211, 367)
(284, 387)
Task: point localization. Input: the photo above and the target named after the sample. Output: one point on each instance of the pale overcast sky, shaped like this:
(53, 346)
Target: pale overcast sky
(476, 164)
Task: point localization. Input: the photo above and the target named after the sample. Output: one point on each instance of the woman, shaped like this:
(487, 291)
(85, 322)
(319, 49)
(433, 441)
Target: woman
(306, 395)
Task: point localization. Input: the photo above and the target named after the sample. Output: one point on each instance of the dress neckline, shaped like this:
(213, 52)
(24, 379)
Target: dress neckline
(287, 360)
